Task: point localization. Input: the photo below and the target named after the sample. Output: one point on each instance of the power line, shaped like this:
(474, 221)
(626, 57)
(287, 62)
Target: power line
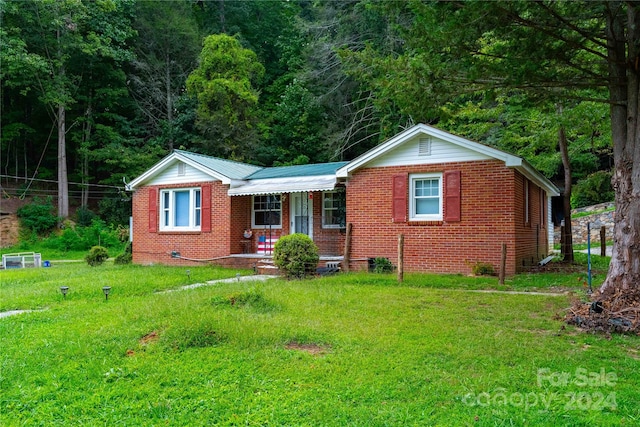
(55, 181)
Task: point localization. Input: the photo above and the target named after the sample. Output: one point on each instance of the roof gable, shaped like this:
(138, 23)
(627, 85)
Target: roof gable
(211, 167)
(404, 148)
(412, 136)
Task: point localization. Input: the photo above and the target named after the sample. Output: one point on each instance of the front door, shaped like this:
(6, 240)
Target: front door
(301, 213)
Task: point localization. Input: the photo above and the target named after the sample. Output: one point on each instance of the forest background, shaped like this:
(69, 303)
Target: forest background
(122, 83)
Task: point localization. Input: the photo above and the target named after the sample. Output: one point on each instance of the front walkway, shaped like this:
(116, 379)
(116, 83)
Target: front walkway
(252, 278)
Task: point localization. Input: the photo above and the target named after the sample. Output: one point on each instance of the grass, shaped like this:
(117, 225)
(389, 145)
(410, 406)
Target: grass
(51, 252)
(587, 213)
(427, 352)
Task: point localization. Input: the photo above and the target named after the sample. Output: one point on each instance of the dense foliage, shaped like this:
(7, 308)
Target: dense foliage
(38, 216)
(272, 83)
(296, 255)
(97, 256)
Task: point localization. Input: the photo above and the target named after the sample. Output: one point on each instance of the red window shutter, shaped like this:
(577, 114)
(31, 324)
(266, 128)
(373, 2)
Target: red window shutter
(153, 210)
(452, 196)
(205, 212)
(400, 183)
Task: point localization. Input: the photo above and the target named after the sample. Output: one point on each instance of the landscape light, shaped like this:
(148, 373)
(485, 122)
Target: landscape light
(189, 275)
(64, 290)
(106, 290)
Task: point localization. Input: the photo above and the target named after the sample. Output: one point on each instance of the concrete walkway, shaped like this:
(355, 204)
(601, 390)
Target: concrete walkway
(595, 250)
(253, 278)
(15, 312)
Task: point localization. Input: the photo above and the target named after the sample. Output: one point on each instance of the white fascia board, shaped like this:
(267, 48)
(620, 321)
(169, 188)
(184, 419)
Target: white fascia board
(215, 174)
(151, 172)
(168, 161)
(508, 159)
(537, 178)
(378, 150)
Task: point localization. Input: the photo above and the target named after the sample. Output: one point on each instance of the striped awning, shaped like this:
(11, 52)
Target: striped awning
(283, 185)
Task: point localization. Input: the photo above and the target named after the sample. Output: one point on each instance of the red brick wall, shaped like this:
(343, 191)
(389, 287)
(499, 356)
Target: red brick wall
(230, 217)
(490, 211)
(532, 239)
(156, 247)
(330, 241)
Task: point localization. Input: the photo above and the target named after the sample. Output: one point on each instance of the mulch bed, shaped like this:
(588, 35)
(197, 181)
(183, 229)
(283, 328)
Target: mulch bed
(614, 311)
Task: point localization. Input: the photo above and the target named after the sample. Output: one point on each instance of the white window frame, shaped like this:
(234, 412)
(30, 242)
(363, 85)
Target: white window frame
(325, 210)
(253, 211)
(413, 178)
(167, 209)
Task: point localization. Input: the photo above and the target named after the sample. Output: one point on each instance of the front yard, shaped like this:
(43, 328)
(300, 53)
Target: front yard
(354, 349)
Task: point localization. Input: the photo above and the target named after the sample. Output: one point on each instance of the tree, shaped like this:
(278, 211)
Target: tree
(551, 50)
(166, 51)
(223, 84)
(58, 38)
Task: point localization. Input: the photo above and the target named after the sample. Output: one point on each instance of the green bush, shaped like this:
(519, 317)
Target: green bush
(123, 258)
(595, 188)
(126, 257)
(38, 215)
(483, 269)
(382, 265)
(296, 255)
(96, 256)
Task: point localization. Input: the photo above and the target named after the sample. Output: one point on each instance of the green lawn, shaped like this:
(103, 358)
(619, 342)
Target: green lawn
(356, 349)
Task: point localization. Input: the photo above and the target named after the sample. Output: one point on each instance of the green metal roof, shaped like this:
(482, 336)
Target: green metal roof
(228, 168)
(297, 171)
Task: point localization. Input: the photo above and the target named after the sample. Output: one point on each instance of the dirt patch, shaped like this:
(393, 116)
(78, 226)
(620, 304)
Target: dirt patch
(311, 348)
(149, 338)
(9, 229)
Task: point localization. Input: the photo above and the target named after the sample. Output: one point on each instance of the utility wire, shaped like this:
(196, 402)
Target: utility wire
(55, 181)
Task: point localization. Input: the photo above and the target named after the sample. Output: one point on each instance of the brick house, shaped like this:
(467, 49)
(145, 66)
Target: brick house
(454, 200)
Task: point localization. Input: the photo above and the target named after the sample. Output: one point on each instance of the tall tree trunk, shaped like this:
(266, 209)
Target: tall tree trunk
(567, 238)
(221, 11)
(63, 185)
(86, 138)
(169, 100)
(624, 269)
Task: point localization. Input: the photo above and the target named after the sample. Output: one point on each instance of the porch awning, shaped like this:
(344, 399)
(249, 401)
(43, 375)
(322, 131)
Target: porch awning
(284, 185)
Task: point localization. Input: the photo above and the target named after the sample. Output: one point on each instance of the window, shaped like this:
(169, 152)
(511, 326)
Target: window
(426, 197)
(334, 214)
(180, 209)
(267, 211)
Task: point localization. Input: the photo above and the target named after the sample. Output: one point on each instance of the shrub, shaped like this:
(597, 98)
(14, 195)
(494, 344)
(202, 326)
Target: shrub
(483, 269)
(96, 256)
(38, 216)
(296, 255)
(125, 257)
(382, 265)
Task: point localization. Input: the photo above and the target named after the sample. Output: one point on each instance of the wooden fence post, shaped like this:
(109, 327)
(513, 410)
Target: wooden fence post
(400, 258)
(603, 241)
(503, 264)
(347, 249)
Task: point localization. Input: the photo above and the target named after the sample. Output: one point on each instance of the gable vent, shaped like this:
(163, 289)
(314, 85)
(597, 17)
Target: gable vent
(182, 170)
(424, 147)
